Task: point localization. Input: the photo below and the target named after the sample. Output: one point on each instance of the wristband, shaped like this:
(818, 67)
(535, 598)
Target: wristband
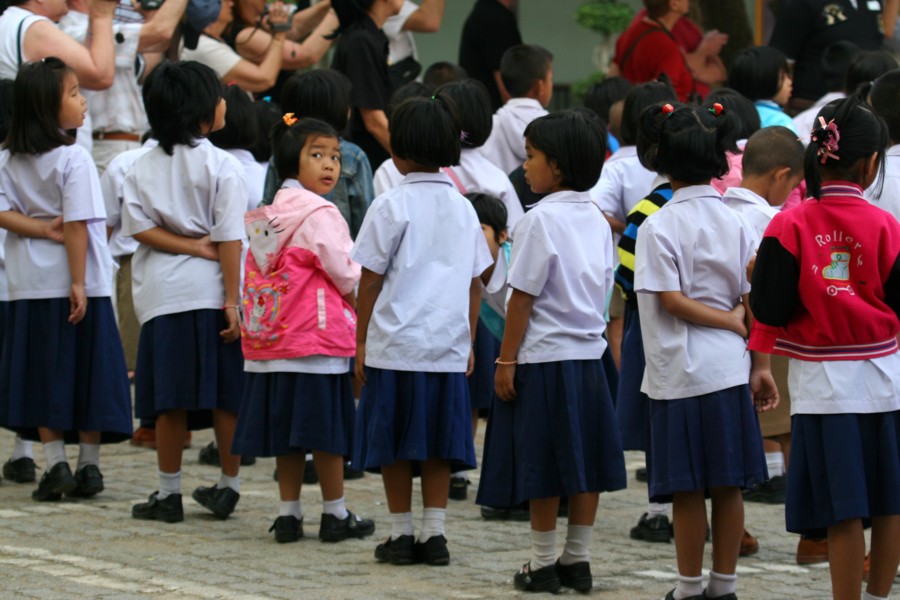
(280, 27)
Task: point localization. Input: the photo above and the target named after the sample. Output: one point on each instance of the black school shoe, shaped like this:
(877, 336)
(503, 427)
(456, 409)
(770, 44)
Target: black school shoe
(725, 597)
(671, 596)
(492, 513)
(772, 491)
(287, 529)
(459, 488)
(652, 529)
(54, 483)
(332, 529)
(545, 579)
(209, 455)
(397, 552)
(432, 551)
(90, 482)
(168, 510)
(21, 470)
(576, 576)
(220, 501)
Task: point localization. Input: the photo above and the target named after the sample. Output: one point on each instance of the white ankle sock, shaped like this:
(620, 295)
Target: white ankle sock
(290, 508)
(688, 586)
(432, 523)
(401, 524)
(335, 507)
(169, 483)
(775, 464)
(578, 543)
(658, 510)
(720, 585)
(88, 454)
(543, 549)
(55, 453)
(22, 449)
(232, 482)
(868, 596)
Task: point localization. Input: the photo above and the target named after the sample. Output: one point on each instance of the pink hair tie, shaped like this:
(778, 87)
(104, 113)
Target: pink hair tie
(828, 136)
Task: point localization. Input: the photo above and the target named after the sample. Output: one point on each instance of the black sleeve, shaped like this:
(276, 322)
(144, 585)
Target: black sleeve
(366, 68)
(501, 37)
(774, 293)
(892, 287)
(793, 27)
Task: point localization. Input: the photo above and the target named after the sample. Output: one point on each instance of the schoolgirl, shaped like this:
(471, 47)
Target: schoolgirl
(184, 201)
(761, 74)
(826, 294)
(62, 368)
(422, 250)
(300, 331)
(689, 279)
(554, 432)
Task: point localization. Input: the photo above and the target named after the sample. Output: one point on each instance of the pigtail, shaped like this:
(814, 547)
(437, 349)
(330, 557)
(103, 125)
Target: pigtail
(649, 134)
(727, 131)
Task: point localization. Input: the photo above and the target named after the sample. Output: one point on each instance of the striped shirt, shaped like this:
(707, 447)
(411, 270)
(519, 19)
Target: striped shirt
(624, 273)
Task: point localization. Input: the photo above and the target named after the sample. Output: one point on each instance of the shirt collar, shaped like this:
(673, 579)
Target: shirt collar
(767, 104)
(529, 102)
(694, 191)
(565, 196)
(426, 177)
(744, 195)
(292, 184)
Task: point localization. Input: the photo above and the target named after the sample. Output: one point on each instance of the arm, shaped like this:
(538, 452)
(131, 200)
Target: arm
(304, 21)
(31, 227)
(680, 306)
(762, 384)
(369, 288)
(166, 241)
(230, 261)
(889, 10)
(428, 18)
(259, 77)
(76, 241)
(377, 124)
(253, 44)
(504, 95)
(616, 225)
(518, 312)
(774, 294)
(474, 309)
(157, 31)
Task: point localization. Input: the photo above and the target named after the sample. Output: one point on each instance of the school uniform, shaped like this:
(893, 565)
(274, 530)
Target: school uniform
(55, 375)
(254, 176)
(425, 238)
(805, 122)
(887, 196)
(505, 147)
(703, 427)
(178, 299)
(770, 115)
(830, 257)
(386, 177)
(559, 437)
(478, 174)
(622, 184)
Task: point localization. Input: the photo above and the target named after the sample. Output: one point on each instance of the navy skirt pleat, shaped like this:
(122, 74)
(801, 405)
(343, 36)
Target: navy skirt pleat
(704, 442)
(61, 376)
(557, 438)
(631, 404)
(843, 466)
(183, 363)
(284, 413)
(481, 381)
(415, 416)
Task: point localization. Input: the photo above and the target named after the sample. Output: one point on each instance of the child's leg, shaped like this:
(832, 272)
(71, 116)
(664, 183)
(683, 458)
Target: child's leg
(784, 440)
(727, 531)
(330, 468)
(435, 489)
(290, 476)
(846, 553)
(170, 429)
(543, 513)
(54, 446)
(88, 449)
(689, 519)
(22, 449)
(224, 425)
(582, 513)
(885, 556)
(397, 480)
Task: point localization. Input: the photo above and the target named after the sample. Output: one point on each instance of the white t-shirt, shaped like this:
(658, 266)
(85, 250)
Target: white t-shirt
(111, 183)
(400, 43)
(696, 245)
(218, 56)
(623, 183)
(505, 147)
(195, 192)
(14, 23)
(889, 198)
(425, 238)
(563, 255)
(753, 207)
(63, 182)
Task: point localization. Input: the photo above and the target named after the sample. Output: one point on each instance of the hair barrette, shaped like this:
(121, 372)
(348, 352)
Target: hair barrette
(668, 109)
(231, 83)
(716, 109)
(464, 136)
(828, 137)
(289, 119)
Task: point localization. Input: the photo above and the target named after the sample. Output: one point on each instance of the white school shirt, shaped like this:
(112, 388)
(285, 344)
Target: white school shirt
(889, 196)
(563, 256)
(386, 177)
(757, 212)
(425, 238)
(400, 43)
(111, 183)
(195, 192)
(254, 175)
(478, 174)
(698, 246)
(497, 289)
(63, 182)
(505, 147)
(623, 183)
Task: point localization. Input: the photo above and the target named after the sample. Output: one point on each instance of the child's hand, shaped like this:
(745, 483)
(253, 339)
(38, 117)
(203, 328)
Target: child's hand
(471, 366)
(504, 382)
(278, 17)
(54, 230)
(749, 268)
(359, 366)
(739, 314)
(233, 331)
(763, 389)
(77, 303)
(206, 248)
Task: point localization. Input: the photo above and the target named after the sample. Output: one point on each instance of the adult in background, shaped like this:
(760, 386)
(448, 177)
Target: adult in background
(489, 31)
(402, 55)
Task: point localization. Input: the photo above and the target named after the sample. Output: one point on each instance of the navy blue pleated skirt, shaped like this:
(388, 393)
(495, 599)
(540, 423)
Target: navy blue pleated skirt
(481, 381)
(557, 438)
(183, 363)
(409, 415)
(61, 376)
(704, 442)
(285, 413)
(843, 466)
(631, 404)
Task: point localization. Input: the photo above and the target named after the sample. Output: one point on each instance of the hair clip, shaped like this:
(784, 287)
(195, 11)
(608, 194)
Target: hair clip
(289, 119)
(828, 136)
(464, 136)
(231, 83)
(668, 109)
(716, 109)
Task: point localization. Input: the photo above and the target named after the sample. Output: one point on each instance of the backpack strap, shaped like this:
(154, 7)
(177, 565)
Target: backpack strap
(452, 175)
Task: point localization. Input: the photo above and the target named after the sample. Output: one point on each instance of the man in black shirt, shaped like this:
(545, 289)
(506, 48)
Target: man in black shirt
(488, 32)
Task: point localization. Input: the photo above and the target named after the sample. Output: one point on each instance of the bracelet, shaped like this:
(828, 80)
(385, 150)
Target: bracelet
(280, 27)
(234, 306)
(505, 363)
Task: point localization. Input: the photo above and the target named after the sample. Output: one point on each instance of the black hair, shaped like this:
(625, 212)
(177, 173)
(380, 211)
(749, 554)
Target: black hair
(319, 94)
(36, 100)
(349, 12)
(180, 99)
(757, 72)
(413, 89)
(491, 212)
(241, 127)
(267, 114)
(602, 95)
(522, 66)
(835, 60)
(861, 132)
(6, 96)
(687, 144)
(740, 109)
(770, 148)
(885, 99)
(640, 97)
(288, 142)
(443, 72)
(438, 117)
(473, 104)
(575, 142)
(866, 67)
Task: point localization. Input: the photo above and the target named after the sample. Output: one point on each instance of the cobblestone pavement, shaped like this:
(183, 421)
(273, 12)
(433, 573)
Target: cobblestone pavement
(94, 549)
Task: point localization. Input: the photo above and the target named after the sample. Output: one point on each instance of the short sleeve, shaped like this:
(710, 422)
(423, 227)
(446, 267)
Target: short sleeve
(533, 257)
(229, 202)
(134, 219)
(483, 258)
(216, 55)
(656, 261)
(379, 237)
(82, 199)
(394, 25)
(607, 194)
(111, 183)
